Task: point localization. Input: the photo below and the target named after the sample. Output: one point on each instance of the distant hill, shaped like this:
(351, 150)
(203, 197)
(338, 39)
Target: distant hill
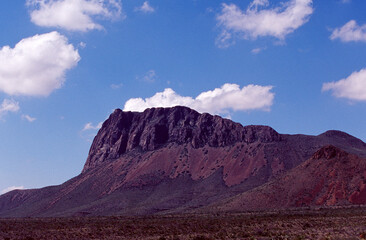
(173, 160)
(331, 177)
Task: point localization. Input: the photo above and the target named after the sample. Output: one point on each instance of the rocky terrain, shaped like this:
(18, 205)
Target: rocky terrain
(331, 177)
(175, 160)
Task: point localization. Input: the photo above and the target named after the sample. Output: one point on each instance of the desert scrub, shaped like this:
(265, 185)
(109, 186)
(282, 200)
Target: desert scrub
(327, 224)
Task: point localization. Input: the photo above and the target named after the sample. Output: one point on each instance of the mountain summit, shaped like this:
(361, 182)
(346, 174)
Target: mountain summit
(155, 128)
(173, 160)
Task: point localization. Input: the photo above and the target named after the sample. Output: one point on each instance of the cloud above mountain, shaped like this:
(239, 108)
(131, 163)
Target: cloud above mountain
(8, 105)
(261, 20)
(9, 189)
(28, 118)
(90, 126)
(37, 65)
(73, 15)
(227, 98)
(350, 32)
(145, 8)
(353, 87)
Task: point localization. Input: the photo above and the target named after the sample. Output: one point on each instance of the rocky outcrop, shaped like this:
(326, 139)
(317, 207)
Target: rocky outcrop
(331, 177)
(154, 128)
(173, 160)
(329, 152)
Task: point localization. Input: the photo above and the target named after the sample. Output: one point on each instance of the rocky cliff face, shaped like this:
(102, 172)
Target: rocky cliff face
(172, 160)
(154, 128)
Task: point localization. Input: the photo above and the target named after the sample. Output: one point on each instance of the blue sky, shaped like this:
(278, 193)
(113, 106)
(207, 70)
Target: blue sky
(295, 65)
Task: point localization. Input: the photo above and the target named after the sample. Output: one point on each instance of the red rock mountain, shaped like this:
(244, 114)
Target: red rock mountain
(170, 160)
(331, 177)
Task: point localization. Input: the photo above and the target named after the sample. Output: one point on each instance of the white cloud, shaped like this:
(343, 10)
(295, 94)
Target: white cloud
(229, 97)
(36, 66)
(88, 131)
(90, 126)
(260, 20)
(73, 15)
(8, 105)
(350, 32)
(257, 50)
(353, 87)
(149, 77)
(145, 8)
(28, 118)
(82, 45)
(8, 189)
(116, 86)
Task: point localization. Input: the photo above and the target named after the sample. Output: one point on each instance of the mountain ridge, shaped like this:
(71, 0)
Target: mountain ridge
(179, 125)
(173, 160)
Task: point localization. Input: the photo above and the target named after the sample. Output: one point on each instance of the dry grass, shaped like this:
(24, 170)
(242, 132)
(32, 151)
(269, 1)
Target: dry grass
(305, 224)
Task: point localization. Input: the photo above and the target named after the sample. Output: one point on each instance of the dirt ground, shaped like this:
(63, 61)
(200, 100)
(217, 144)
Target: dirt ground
(347, 223)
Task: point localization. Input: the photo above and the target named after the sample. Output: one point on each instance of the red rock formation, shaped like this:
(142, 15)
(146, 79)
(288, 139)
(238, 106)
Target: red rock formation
(331, 177)
(154, 128)
(175, 159)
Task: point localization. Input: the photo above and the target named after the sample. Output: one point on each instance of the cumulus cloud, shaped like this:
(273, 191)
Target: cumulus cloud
(73, 15)
(8, 189)
(8, 105)
(350, 32)
(90, 126)
(229, 97)
(353, 87)
(145, 8)
(36, 66)
(260, 20)
(28, 118)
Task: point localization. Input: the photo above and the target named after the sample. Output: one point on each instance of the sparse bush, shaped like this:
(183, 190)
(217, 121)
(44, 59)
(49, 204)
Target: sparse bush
(306, 226)
(200, 237)
(363, 235)
(29, 238)
(284, 226)
(300, 237)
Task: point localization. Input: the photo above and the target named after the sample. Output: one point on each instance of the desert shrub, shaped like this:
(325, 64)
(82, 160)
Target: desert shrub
(244, 235)
(306, 226)
(263, 233)
(28, 238)
(200, 237)
(299, 237)
(363, 235)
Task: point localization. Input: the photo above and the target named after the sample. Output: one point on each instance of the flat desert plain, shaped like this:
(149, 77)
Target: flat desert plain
(341, 223)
